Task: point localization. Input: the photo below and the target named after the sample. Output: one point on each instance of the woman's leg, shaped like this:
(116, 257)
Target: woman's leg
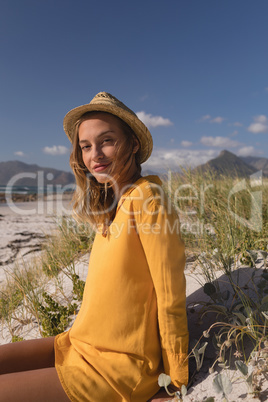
(31, 386)
(27, 355)
(28, 373)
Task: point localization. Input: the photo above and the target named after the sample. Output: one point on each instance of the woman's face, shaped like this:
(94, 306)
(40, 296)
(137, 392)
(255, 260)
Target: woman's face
(100, 137)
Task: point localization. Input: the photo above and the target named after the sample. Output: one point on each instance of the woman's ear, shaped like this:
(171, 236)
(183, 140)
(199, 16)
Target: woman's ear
(136, 146)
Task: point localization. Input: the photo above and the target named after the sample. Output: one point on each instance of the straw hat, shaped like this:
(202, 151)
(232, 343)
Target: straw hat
(106, 102)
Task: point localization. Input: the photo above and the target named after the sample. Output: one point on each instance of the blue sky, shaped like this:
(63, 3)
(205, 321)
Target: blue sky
(194, 70)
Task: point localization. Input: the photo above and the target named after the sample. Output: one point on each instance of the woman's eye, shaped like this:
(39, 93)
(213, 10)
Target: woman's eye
(85, 147)
(106, 140)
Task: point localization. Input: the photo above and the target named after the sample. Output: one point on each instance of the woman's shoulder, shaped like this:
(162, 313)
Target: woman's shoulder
(146, 186)
(148, 190)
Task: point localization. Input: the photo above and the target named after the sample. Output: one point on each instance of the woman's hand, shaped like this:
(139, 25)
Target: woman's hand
(162, 396)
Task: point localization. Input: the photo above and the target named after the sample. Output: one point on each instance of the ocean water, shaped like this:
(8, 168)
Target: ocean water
(49, 189)
(19, 189)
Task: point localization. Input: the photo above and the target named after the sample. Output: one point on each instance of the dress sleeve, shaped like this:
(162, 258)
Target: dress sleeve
(159, 231)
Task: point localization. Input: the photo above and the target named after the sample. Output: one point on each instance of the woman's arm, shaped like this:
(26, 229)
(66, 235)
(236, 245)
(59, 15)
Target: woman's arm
(158, 229)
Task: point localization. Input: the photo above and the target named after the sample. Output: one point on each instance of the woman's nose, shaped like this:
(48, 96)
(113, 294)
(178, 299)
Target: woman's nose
(97, 153)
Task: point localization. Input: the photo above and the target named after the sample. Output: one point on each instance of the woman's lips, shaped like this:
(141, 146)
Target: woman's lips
(100, 168)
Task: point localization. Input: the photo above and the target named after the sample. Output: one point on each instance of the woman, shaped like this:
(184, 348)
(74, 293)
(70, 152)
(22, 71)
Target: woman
(132, 324)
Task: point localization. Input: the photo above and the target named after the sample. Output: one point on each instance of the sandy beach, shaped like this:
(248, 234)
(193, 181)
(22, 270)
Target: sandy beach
(25, 225)
(23, 228)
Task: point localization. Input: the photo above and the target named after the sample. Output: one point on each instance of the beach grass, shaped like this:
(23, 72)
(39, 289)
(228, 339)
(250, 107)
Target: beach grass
(27, 296)
(61, 249)
(224, 223)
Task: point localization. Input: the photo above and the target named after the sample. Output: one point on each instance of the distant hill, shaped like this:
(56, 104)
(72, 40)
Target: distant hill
(258, 163)
(227, 164)
(148, 172)
(50, 176)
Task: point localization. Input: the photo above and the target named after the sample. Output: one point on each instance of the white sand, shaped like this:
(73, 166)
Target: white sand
(23, 230)
(23, 227)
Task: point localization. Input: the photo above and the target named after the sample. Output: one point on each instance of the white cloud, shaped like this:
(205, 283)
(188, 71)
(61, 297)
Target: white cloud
(163, 159)
(260, 125)
(206, 117)
(186, 143)
(257, 128)
(246, 151)
(221, 142)
(19, 153)
(153, 121)
(261, 118)
(266, 89)
(217, 120)
(56, 150)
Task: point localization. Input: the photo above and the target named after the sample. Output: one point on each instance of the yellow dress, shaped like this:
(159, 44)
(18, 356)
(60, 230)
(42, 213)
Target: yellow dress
(132, 325)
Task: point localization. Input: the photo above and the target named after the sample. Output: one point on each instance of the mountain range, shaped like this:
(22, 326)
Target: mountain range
(229, 164)
(226, 163)
(32, 175)
(258, 163)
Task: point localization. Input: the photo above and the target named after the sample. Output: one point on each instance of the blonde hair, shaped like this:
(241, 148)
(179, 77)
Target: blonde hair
(95, 202)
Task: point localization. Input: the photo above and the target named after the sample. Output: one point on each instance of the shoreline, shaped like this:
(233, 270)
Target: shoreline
(30, 197)
(51, 204)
